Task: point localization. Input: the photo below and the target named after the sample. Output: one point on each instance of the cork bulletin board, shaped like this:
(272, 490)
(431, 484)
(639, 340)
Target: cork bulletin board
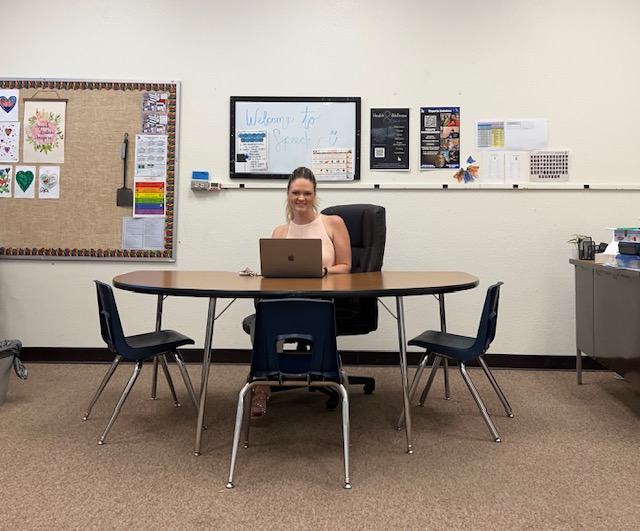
(84, 221)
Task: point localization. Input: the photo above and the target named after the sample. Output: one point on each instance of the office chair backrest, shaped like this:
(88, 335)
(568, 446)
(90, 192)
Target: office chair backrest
(110, 324)
(283, 324)
(368, 233)
(488, 320)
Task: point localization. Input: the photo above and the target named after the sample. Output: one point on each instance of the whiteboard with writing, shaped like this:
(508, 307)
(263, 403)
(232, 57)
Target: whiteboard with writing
(270, 137)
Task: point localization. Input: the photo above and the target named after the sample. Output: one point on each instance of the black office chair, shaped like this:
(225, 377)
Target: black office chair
(463, 349)
(135, 348)
(368, 233)
(294, 346)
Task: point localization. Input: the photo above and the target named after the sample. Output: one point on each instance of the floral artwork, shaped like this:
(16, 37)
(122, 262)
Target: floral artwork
(9, 138)
(44, 131)
(5, 181)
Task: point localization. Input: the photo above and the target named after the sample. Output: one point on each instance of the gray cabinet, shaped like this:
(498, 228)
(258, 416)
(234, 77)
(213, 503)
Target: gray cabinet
(608, 318)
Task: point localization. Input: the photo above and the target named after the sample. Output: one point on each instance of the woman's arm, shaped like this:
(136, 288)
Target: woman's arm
(341, 243)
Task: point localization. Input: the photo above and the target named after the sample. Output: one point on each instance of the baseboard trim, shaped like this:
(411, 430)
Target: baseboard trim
(349, 357)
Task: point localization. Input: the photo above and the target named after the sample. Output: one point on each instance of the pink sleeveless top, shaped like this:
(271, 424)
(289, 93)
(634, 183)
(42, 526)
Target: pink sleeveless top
(315, 229)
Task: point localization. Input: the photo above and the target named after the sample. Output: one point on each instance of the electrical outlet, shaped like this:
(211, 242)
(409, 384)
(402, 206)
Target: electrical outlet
(199, 185)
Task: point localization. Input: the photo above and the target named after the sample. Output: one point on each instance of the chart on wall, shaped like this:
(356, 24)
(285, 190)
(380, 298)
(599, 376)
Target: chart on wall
(270, 137)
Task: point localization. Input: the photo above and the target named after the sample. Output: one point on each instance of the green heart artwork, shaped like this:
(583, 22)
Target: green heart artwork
(24, 179)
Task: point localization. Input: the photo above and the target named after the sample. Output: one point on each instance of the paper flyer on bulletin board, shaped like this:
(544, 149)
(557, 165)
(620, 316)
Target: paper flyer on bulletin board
(439, 137)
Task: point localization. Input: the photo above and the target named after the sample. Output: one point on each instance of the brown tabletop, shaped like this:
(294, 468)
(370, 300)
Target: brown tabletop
(228, 284)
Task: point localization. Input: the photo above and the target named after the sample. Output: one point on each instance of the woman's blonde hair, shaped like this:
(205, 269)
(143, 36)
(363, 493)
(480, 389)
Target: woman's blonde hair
(300, 173)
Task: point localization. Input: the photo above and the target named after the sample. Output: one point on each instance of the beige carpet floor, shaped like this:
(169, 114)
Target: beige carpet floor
(569, 458)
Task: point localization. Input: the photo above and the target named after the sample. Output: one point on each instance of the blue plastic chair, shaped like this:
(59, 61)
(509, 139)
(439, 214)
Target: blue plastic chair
(135, 348)
(294, 346)
(439, 345)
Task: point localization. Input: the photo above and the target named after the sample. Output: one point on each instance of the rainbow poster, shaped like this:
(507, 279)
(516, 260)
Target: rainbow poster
(149, 198)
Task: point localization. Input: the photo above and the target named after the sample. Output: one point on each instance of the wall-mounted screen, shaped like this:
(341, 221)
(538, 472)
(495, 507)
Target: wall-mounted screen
(270, 137)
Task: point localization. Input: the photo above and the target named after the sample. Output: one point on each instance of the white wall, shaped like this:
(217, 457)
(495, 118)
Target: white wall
(569, 61)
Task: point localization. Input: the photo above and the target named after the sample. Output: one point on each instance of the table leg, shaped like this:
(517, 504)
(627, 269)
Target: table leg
(402, 343)
(445, 364)
(208, 342)
(154, 376)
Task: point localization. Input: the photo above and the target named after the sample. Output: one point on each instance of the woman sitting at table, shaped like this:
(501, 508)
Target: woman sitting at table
(304, 221)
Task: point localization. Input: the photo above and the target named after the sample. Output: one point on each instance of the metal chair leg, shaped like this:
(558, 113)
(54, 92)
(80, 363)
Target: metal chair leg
(154, 379)
(125, 394)
(185, 377)
(103, 384)
(240, 413)
(447, 388)
(167, 375)
(434, 368)
(345, 433)
(496, 388)
(479, 402)
(246, 424)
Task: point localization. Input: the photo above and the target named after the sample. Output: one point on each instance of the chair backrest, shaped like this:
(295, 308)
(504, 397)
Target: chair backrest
(368, 233)
(488, 320)
(295, 338)
(367, 228)
(110, 324)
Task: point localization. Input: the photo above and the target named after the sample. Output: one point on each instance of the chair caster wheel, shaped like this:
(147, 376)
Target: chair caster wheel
(332, 403)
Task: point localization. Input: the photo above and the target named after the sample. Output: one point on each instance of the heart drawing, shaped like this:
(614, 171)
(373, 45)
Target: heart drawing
(48, 180)
(7, 104)
(24, 179)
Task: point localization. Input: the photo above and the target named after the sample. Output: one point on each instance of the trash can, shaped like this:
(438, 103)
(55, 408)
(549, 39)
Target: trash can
(9, 357)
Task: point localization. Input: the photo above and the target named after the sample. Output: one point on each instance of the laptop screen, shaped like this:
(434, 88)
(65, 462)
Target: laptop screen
(291, 257)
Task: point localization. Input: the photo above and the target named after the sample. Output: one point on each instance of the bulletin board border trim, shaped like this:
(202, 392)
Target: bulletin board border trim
(168, 254)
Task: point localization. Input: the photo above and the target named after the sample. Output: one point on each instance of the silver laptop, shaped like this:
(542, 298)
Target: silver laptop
(291, 257)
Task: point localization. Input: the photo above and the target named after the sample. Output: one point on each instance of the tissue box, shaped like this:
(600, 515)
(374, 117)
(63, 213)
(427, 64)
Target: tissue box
(627, 235)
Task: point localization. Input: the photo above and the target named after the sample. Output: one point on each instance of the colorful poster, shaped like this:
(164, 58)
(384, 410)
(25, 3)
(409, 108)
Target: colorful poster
(9, 139)
(149, 198)
(389, 139)
(25, 182)
(6, 173)
(49, 182)
(44, 131)
(9, 100)
(439, 137)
